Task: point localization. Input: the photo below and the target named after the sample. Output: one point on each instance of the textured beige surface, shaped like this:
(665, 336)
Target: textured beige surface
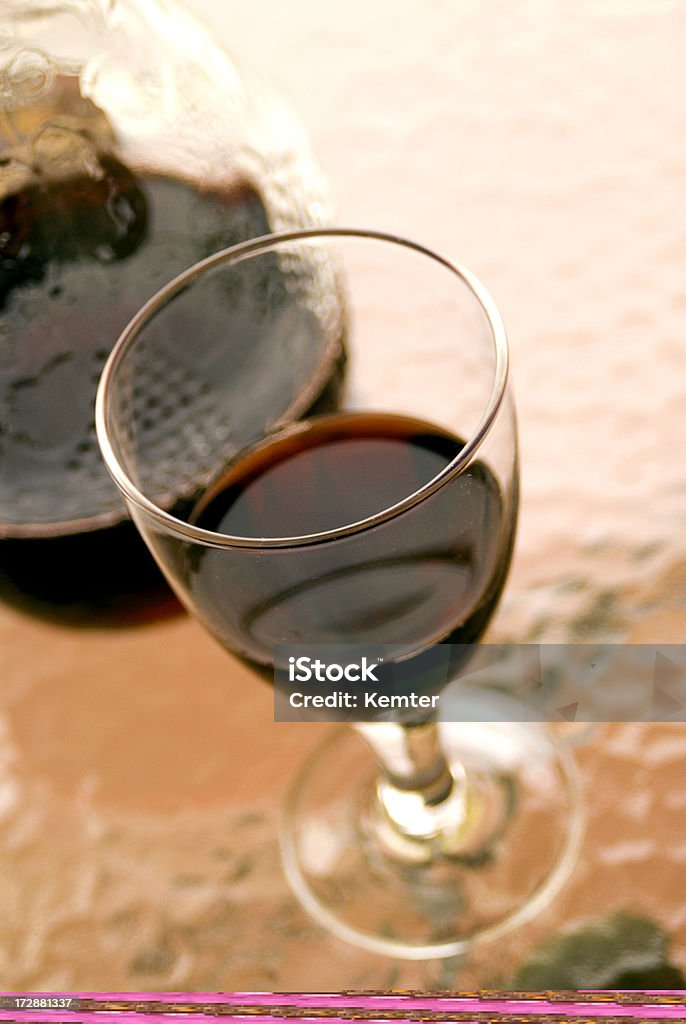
(543, 145)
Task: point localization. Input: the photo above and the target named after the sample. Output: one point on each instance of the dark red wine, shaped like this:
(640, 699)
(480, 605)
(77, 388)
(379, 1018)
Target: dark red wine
(79, 255)
(431, 574)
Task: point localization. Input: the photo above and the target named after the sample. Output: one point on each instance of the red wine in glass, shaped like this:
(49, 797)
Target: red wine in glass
(433, 574)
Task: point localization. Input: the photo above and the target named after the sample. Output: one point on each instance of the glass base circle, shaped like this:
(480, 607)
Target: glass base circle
(515, 841)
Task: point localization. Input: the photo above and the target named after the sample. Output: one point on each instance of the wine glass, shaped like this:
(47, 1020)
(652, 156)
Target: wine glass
(382, 513)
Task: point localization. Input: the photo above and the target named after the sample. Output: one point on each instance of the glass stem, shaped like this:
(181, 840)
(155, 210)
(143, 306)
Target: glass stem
(419, 796)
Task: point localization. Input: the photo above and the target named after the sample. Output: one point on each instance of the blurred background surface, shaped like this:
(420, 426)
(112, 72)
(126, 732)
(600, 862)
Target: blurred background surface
(141, 773)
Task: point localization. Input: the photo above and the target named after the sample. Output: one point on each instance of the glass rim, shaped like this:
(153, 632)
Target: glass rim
(236, 254)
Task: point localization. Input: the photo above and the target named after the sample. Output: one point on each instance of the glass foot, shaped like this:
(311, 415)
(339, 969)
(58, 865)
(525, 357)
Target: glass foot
(492, 856)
